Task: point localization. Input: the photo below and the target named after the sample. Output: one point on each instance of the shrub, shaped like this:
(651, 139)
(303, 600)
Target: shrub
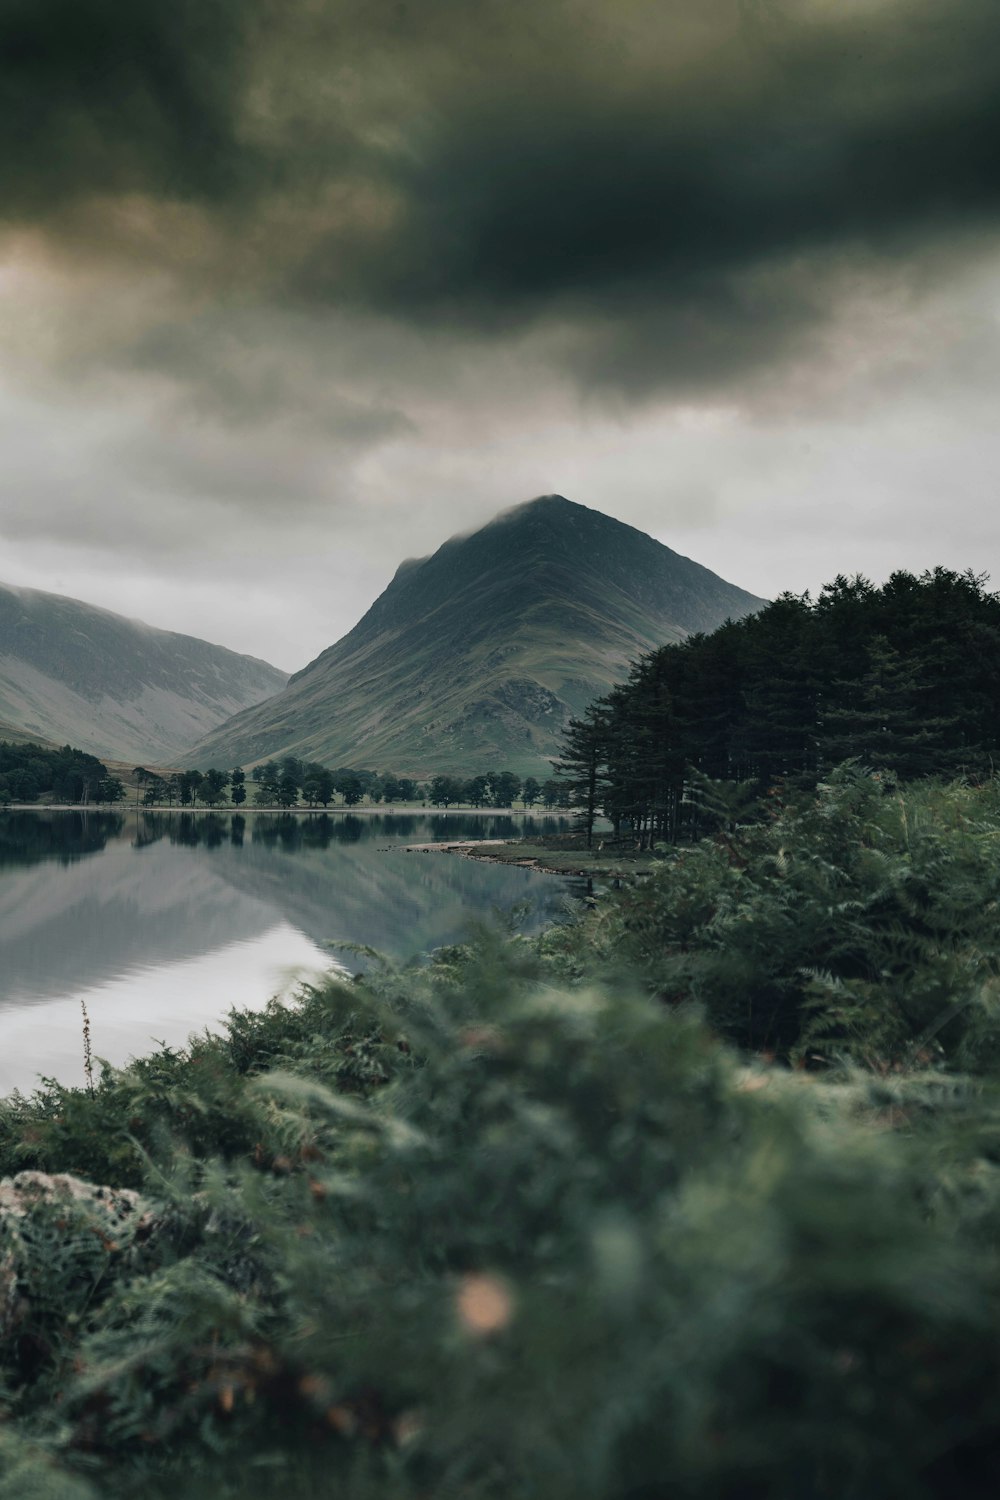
(858, 921)
(571, 1247)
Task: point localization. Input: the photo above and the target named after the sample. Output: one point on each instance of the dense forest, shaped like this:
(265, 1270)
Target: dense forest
(905, 678)
(28, 772)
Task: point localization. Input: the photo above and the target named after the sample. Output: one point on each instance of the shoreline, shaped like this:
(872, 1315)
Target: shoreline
(406, 810)
(472, 849)
(569, 862)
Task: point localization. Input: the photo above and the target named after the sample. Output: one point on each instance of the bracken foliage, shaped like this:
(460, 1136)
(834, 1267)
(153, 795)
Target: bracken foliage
(859, 920)
(520, 1222)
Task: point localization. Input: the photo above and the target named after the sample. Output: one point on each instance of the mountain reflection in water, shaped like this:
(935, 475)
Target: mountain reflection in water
(161, 922)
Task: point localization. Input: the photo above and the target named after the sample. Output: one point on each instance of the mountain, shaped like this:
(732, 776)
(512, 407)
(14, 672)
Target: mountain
(76, 674)
(16, 736)
(475, 657)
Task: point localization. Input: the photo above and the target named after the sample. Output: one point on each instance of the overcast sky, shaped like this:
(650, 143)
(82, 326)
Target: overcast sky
(294, 289)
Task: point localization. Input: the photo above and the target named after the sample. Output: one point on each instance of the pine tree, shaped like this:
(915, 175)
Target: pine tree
(879, 719)
(781, 686)
(581, 767)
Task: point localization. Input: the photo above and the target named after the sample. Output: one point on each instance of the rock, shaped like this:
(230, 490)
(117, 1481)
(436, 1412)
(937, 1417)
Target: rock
(20, 1194)
(119, 1220)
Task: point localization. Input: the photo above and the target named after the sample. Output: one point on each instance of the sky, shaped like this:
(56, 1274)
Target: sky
(295, 289)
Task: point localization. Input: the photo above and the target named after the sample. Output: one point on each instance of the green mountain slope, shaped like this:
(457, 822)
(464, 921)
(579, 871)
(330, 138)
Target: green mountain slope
(73, 673)
(476, 656)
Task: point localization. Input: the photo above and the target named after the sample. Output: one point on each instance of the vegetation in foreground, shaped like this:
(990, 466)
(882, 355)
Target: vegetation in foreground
(542, 1218)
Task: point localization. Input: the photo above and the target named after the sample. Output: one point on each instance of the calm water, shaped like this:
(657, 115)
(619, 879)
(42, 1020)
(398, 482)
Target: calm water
(161, 922)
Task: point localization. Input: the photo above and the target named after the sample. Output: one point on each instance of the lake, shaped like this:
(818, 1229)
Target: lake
(160, 922)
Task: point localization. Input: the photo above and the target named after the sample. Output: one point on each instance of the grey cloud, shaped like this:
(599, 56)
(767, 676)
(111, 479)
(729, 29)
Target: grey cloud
(299, 287)
(639, 175)
(248, 368)
(112, 96)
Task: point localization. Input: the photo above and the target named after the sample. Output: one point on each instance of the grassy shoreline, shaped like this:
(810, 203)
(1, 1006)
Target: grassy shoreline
(567, 856)
(366, 809)
(554, 855)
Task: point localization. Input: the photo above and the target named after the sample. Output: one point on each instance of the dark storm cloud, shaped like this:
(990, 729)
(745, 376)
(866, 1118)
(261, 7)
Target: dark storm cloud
(668, 213)
(119, 96)
(681, 187)
(585, 198)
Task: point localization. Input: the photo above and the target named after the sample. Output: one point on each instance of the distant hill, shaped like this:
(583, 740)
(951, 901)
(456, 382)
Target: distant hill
(72, 673)
(15, 736)
(474, 658)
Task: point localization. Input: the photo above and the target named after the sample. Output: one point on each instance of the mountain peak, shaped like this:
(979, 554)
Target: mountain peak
(475, 657)
(567, 525)
(551, 521)
(540, 504)
(553, 509)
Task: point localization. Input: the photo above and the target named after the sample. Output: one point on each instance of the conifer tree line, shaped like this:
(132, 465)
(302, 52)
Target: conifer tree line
(905, 677)
(282, 783)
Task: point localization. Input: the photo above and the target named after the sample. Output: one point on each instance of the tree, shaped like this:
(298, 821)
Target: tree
(906, 677)
(188, 783)
(580, 768)
(73, 774)
(444, 790)
(881, 722)
(214, 783)
(476, 790)
(317, 784)
(156, 791)
(782, 686)
(644, 753)
(288, 790)
(350, 787)
(267, 779)
(237, 786)
(531, 791)
(292, 769)
(553, 793)
(505, 788)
